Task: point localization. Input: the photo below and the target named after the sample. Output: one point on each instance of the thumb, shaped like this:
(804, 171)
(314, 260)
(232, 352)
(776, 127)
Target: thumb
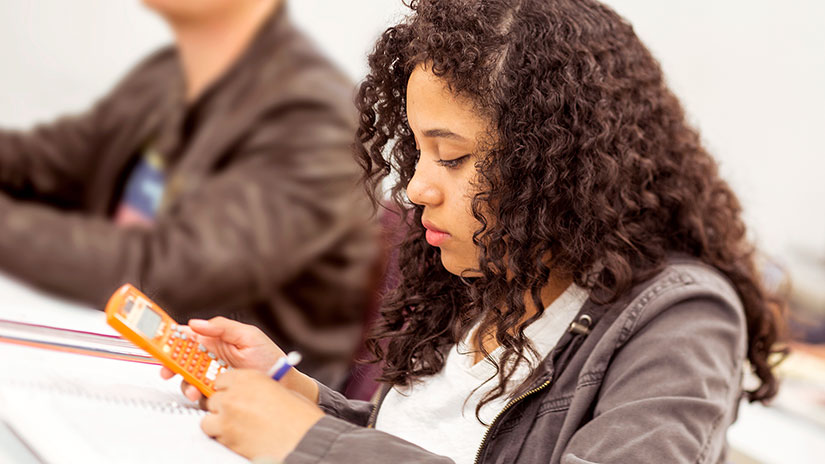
(226, 330)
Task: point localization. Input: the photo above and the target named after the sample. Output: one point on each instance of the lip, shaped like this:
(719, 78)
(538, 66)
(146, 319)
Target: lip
(434, 235)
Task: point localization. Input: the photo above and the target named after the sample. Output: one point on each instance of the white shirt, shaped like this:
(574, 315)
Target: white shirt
(435, 412)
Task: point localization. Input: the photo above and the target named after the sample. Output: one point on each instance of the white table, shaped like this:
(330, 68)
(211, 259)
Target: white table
(20, 302)
(772, 436)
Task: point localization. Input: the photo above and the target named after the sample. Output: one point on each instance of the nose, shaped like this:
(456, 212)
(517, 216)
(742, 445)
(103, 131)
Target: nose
(423, 188)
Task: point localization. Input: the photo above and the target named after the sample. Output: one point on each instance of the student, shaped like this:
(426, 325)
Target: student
(576, 285)
(218, 177)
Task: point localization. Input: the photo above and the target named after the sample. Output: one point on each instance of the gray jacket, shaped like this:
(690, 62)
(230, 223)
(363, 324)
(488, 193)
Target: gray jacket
(657, 379)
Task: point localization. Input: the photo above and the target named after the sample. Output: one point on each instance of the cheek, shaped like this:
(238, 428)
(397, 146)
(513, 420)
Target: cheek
(463, 254)
(464, 212)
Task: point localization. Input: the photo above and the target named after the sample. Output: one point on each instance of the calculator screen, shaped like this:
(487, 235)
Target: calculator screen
(149, 322)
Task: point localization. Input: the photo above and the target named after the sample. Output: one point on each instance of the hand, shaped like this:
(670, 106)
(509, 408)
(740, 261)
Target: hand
(256, 416)
(241, 345)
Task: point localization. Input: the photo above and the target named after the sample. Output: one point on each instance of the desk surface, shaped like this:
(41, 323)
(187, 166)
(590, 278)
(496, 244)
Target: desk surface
(771, 436)
(21, 302)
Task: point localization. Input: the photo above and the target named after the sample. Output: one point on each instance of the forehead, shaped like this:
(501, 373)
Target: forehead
(432, 105)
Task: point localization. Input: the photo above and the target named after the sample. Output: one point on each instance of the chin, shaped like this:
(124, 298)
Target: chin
(458, 268)
(178, 10)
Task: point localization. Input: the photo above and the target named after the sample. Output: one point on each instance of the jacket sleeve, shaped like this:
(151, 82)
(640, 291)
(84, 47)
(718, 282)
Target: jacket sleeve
(288, 195)
(51, 161)
(671, 390)
(337, 405)
(340, 436)
(333, 441)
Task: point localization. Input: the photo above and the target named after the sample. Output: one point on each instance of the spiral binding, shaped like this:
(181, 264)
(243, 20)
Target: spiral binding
(70, 389)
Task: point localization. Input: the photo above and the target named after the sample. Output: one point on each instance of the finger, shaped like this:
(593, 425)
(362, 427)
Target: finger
(213, 402)
(190, 391)
(166, 373)
(220, 327)
(188, 331)
(224, 380)
(227, 378)
(211, 425)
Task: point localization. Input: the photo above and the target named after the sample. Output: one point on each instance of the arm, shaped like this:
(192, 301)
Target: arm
(51, 161)
(248, 408)
(670, 392)
(250, 228)
(333, 441)
(337, 405)
(260, 418)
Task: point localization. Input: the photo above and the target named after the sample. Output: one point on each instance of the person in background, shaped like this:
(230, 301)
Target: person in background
(217, 176)
(577, 284)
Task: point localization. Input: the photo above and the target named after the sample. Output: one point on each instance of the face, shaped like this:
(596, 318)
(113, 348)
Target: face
(447, 131)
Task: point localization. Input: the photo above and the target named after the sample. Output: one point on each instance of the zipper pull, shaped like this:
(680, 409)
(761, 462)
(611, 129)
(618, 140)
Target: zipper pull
(582, 326)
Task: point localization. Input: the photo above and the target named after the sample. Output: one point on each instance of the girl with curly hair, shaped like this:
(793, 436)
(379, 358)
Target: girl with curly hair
(576, 284)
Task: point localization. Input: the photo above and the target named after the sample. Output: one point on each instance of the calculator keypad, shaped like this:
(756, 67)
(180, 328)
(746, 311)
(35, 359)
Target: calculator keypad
(194, 357)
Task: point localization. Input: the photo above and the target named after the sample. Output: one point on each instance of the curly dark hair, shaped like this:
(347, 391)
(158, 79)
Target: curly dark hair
(593, 164)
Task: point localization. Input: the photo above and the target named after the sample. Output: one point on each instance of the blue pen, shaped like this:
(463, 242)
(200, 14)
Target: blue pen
(284, 364)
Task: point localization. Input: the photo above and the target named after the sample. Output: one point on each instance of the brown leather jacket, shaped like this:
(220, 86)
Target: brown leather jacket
(262, 221)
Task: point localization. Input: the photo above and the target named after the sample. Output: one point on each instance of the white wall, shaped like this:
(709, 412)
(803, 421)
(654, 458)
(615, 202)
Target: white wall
(750, 73)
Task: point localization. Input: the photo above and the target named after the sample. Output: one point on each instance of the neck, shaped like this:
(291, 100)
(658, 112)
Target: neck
(208, 46)
(549, 293)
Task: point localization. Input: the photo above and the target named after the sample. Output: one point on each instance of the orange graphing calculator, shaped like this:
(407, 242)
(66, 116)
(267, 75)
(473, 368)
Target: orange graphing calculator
(143, 323)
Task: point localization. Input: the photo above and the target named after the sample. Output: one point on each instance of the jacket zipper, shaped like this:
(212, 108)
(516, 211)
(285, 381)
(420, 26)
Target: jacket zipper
(506, 407)
(377, 405)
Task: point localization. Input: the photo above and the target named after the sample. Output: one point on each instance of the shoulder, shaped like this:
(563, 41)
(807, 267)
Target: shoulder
(670, 353)
(689, 306)
(292, 73)
(682, 282)
(153, 71)
(140, 91)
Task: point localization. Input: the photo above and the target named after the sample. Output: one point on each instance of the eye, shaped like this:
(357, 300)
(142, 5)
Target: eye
(453, 163)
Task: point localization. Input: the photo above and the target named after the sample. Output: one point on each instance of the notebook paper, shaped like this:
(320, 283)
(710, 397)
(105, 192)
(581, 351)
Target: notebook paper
(70, 409)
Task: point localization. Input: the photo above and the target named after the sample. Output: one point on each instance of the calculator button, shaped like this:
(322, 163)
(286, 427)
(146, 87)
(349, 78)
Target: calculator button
(212, 355)
(212, 371)
(222, 362)
(201, 348)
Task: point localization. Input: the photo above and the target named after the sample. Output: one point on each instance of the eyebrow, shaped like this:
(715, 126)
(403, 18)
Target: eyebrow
(443, 133)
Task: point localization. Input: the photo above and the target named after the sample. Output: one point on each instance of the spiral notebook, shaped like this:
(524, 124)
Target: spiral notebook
(75, 341)
(66, 408)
